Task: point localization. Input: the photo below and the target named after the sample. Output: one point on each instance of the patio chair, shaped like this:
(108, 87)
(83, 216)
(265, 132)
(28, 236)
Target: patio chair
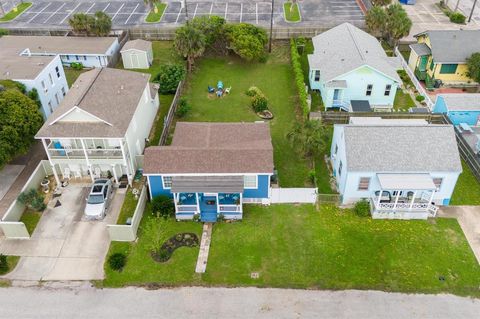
(66, 173)
(227, 90)
(211, 89)
(97, 173)
(220, 85)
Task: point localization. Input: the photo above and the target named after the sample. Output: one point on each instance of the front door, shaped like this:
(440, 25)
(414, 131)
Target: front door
(208, 208)
(422, 66)
(336, 94)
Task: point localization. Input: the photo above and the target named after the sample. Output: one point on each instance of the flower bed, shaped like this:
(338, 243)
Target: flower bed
(177, 241)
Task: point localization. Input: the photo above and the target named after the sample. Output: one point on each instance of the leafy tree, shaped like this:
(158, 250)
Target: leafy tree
(3, 264)
(189, 42)
(398, 23)
(381, 3)
(81, 23)
(310, 137)
(213, 27)
(169, 77)
(32, 199)
(163, 206)
(473, 68)
(376, 21)
(247, 40)
(20, 119)
(102, 24)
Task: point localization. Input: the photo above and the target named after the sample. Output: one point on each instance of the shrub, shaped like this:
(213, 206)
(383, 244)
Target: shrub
(247, 40)
(420, 98)
(252, 91)
(457, 17)
(169, 77)
(3, 32)
(163, 206)
(297, 70)
(3, 264)
(259, 103)
(312, 176)
(362, 208)
(183, 108)
(76, 65)
(117, 261)
(32, 199)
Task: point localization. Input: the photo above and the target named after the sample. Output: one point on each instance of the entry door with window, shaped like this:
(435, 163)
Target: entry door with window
(422, 66)
(336, 94)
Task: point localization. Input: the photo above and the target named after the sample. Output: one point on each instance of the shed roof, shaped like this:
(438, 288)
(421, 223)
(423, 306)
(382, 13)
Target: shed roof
(406, 181)
(461, 102)
(421, 49)
(345, 48)
(207, 184)
(207, 148)
(137, 44)
(401, 148)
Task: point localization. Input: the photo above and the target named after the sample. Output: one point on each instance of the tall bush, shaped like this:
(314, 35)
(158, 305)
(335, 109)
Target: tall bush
(33, 200)
(169, 77)
(298, 73)
(163, 206)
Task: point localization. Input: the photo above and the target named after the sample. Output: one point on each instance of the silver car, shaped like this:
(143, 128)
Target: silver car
(99, 199)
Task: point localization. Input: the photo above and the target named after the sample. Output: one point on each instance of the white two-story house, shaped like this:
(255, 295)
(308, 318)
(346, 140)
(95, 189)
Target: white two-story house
(404, 168)
(101, 126)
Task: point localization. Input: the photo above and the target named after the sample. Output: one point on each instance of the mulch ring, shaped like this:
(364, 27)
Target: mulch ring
(179, 240)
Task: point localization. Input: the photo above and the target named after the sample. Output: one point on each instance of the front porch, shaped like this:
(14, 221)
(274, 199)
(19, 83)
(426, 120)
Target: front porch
(404, 196)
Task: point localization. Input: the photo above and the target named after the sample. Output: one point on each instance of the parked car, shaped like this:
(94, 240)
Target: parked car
(99, 199)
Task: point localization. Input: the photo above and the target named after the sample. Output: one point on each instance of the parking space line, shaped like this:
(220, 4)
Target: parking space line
(241, 11)
(211, 9)
(39, 12)
(178, 16)
(195, 12)
(108, 5)
(132, 13)
(63, 4)
(73, 10)
(90, 8)
(123, 4)
(226, 10)
(256, 11)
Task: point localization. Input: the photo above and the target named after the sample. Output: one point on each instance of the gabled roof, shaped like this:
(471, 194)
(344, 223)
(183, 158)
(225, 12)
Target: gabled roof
(15, 67)
(213, 148)
(461, 102)
(138, 44)
(420, 49)
(453, 46)
(101, 103)
(401, 148)
(345, 48)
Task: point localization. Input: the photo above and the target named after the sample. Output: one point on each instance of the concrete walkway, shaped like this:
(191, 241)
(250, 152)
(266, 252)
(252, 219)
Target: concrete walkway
(204, 248)
(469, 219)
(212, 303)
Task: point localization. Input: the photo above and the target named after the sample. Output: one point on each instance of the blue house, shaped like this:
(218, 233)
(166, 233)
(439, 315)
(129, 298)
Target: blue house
(404, 168)
(352, 71)
(460, 108)
(211, 169)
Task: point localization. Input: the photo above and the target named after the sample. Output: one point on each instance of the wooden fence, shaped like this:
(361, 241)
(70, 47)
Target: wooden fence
(329, 199)
(167, 121)
(331, 117)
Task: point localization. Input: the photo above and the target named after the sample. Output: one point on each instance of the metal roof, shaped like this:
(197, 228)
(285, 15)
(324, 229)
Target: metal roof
(453, 46)
(406, 182)
(360, 106)
(461, 102)
(420, 49)
(207, 184)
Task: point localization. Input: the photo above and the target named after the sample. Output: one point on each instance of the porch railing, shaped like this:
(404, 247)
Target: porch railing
(404, 207)
(230, 208)
(343, 104)
(72, 153)
(186, 208)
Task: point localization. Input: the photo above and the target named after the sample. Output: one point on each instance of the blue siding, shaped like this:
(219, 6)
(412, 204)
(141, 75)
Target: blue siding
(261, 191)
(156, 186)
(470, 117)
(440, 106)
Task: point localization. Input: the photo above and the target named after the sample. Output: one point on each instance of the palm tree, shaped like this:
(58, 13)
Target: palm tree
(190, 42)
(80, 23)
(398, 23)
(310, 137)
(376, 21)
(102, 24)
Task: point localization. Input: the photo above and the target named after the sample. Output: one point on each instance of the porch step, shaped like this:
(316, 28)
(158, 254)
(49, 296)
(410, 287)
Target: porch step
(204, 248)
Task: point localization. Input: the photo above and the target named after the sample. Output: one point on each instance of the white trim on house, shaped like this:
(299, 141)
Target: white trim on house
(205, 174)
(163, 182)
(82, 110)
(368, 65)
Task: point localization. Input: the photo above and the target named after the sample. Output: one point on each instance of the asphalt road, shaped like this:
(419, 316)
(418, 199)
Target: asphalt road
(211, 303)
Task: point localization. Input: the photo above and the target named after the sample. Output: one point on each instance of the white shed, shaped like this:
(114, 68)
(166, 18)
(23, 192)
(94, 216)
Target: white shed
(137, 54)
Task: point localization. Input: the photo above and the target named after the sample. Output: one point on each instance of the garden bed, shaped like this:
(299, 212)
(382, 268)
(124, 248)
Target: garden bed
(173, 243)
(292, 15)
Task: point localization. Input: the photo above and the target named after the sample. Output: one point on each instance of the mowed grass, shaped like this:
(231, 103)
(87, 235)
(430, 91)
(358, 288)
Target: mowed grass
(298, 246)
(403, 101)
(275, 79)
(467, 189)
(30, 218)
(12, 263)
(21, 7)
(153, 17)
(72, 75)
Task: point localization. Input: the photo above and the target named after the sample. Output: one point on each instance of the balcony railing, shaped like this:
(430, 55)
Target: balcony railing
(230, 208)
(416, 206)
(343, 104)
(73, 153)
(420, 75)
(186, 208)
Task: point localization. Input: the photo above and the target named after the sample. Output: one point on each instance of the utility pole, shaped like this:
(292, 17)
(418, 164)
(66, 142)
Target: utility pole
(2, 12)
(471, 12)
(271, 28)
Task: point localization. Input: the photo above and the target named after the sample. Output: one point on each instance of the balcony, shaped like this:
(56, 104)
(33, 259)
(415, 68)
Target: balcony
(57, 151)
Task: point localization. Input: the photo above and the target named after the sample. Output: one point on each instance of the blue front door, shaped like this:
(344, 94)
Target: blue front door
(208, 208)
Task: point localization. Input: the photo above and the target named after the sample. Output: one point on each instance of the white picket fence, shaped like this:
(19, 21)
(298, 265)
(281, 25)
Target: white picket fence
(294, 195)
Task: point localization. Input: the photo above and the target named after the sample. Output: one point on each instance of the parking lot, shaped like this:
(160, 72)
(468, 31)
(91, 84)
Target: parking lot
(133, 12)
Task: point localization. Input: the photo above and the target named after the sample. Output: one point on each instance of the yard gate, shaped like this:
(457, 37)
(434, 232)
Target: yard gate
(294, 195)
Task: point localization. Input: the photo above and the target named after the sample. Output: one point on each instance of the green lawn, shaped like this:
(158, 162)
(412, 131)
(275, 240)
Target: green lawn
(12, 263)
(291, 15)
(165, 102)
(21, 7)
(275, 79)
(128, 208)
(156, 17)
(300, 247)
(72, 75)
(403, 101)
(467, 190)
(30, 219)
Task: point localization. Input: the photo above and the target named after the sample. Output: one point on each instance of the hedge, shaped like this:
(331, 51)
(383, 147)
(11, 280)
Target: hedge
(297, 70)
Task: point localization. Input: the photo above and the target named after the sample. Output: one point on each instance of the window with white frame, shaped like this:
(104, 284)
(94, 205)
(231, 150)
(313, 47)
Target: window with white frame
(57, 99)
(57, 70)
(167, 182)
(63, 91)
(50, 106)
(336, 149)
(51, 79)
(438, 182)
(369, 90)
(340, 168)
(364, 183)
(388, 88)
(250, 181)
(44, 87)
(317, 75)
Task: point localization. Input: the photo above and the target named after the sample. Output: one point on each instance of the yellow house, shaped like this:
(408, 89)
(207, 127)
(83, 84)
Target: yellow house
(442, 55)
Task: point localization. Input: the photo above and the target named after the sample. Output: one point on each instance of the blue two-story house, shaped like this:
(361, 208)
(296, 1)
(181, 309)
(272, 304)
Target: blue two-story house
(460, 108)
(352, 71)
(211, 169)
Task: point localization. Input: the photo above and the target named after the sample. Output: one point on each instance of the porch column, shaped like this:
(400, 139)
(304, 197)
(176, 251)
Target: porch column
(129, 173)
(413, 199)
(431, 197)
(241, 203)
(115, 173)
(198, 203)
(175, 202)
(51, 163)
(218, 206)
(396, 200)
(379, 197)
(86, 158)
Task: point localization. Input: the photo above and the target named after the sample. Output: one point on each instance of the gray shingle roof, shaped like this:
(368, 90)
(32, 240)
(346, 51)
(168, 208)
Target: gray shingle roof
(462, 102)
(15, 67)
(213, 148)
(111, 95)
(345, 48)
(138, 44)
(401, 148)
(453, 46)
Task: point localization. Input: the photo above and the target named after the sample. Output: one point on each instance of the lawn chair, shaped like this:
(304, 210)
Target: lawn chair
(211, 89)
(97, 173)
(67, 174)
(227, 90)
(220, 85)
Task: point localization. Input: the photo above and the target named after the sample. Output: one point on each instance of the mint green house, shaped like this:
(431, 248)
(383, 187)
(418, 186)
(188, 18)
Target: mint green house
(351, 70)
